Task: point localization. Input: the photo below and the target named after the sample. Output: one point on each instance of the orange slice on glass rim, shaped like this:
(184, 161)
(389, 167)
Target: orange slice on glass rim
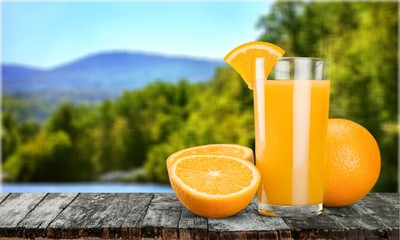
(243, 59)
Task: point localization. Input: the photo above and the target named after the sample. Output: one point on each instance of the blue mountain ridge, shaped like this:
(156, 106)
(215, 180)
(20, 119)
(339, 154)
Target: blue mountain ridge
(114, 70)
(13, 71)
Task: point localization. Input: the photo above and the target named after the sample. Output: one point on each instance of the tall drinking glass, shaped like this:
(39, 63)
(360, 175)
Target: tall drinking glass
(291, 116)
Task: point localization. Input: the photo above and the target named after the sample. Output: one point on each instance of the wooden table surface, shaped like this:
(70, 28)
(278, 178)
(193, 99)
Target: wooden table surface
(162, 216)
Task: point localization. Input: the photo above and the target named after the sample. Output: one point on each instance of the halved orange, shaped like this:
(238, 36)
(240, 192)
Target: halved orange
(232, 150)
(243, 59)
(214, 186)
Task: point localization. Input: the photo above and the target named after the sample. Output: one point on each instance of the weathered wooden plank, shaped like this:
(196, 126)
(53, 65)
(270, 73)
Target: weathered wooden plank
(192, 226)
(3, 196)
(248, 224)
(94, 215)
(36, 222)
(393, 201)
(162, 217)
(356, 227)
(390, 198)
(395, 234)
(360, 219)
(131, 227)
(322, 226)
(13, 209)
(241, 235)
(375, 204)
(152, 216)
(384, 209)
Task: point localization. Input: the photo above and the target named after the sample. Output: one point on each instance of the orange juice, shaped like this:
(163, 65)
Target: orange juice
(291, 118)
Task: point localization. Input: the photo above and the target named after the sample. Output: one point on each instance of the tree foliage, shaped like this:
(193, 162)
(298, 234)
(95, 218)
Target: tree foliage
(141, 128)
(360, 39)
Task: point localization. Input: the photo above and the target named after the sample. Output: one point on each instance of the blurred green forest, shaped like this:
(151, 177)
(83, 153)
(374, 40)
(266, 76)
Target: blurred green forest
(141, 128)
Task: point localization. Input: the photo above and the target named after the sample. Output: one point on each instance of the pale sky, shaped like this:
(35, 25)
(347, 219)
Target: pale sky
(46, 34)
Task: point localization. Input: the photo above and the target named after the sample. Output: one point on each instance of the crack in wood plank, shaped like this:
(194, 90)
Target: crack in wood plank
(92, 215)
(32, 209)
(192, 226)
(15, 208)
(62, 210)
(131, 227)
(36, 222)
(161, 220)
(3, 197)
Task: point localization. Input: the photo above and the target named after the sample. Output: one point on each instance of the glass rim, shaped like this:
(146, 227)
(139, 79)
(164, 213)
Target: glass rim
(289, 68)
(310, 58)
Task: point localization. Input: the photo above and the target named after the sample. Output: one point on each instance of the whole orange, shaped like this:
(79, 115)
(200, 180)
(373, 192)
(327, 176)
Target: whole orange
(352, 163)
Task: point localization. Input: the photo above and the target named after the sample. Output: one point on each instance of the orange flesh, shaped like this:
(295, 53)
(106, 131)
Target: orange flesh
(214, 175)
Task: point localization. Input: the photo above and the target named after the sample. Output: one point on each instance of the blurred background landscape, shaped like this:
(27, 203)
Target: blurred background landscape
(116, 114)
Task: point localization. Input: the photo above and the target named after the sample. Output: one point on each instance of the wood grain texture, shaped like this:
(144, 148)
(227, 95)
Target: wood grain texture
(315, 227)
(131, 227)
(3, 196)
(371, 217)
(247, 224)
(162, 216)
(192, 226)
(94, 215)
(14, 209)
(37, 221)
